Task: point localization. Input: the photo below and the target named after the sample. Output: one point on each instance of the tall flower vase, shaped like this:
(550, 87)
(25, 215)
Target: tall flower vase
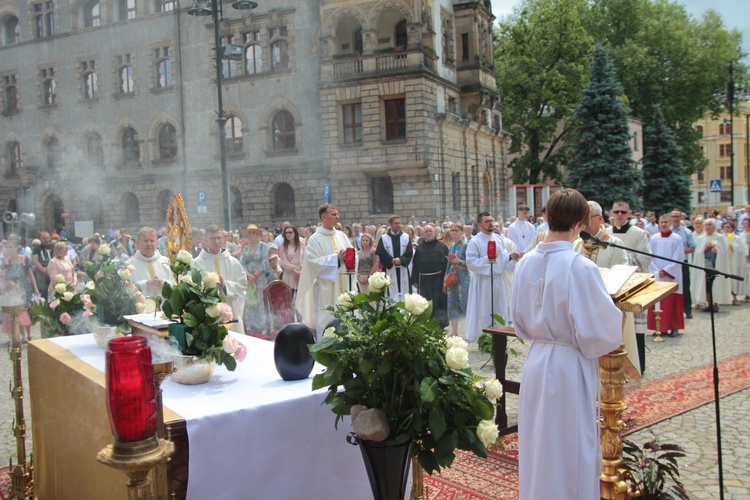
(387, 464)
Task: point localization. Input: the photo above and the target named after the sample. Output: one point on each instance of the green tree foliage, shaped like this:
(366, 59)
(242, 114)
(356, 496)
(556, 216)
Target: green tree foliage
(541, 56)
(665, 58)
(602, 167)
(664, 183)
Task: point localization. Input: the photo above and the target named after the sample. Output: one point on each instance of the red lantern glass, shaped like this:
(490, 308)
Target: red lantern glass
(130, 389)
(491, 250)
(350, 259)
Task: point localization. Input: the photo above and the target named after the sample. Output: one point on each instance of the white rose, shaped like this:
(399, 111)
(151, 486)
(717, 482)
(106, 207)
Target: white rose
(487, 432)
(214, 311)
(68, 296)
(230, 344)
(90, 285)
(329, 332)
(141, 308)
(184, 257)
(457, 358)
(187, 279)
(104, 250)
(210, 280)
(345, 301)
(493, 389)
(60, 288)
(124, 273)
(415, 303)
(378, 282)
(59, 278)
(456, 342)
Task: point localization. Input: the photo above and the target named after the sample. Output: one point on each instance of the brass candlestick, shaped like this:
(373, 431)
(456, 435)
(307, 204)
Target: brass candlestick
(135, 460)
(417, 484)
(161, 372)
(657, 314)
(22, 475)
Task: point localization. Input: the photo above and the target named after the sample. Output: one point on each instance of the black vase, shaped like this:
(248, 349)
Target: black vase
(290, 352)
(387, 464)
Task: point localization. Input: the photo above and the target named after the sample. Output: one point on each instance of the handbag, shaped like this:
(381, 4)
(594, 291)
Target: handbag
(451, 279)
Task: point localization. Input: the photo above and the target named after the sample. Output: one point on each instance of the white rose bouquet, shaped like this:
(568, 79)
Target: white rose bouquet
(112, 292)
(391, 359)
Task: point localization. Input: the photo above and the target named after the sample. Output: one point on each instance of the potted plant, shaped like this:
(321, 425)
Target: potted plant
(651, 471)
(392, 370)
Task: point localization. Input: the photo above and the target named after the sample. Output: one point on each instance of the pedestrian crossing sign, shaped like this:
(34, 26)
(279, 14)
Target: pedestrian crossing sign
(715, 186)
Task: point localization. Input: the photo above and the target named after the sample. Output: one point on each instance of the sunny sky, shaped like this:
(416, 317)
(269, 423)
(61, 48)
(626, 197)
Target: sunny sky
(734, 12)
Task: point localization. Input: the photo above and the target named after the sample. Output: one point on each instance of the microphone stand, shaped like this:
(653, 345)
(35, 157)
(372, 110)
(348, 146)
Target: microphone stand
(711, 275)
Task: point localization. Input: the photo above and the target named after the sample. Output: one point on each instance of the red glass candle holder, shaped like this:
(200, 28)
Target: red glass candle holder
(491, 250)
(131, 401)
(350, 259)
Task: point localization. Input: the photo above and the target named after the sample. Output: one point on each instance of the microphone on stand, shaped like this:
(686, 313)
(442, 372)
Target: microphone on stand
(586, 236)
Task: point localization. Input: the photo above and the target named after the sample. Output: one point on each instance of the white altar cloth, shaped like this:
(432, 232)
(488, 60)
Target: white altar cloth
(254, 436)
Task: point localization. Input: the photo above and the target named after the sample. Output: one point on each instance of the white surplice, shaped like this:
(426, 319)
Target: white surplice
(698, 277)
(522, 233)
(322, 279)
(736, 247)
(510, 247)
(559, 302)
(483, 285)
(235, 280)
(670, 247)
(149, 267)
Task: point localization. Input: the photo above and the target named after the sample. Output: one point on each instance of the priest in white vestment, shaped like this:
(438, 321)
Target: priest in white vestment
(698, 277)
(560, 303)
(716, 256)
(486, 279)
(510, 249)
(322, 277)
(396, 252)
(606, 258)
(521, 231)
(232, 277)
(151, 267)
(667, 244)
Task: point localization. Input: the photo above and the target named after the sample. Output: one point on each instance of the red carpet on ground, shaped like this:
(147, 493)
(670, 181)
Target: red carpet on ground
(473, 478)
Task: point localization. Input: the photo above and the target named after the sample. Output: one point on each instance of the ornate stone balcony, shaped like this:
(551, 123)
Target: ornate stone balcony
(356, 66)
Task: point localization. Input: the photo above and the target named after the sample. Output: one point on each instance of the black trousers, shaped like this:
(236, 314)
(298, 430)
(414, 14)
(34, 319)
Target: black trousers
(687, 300)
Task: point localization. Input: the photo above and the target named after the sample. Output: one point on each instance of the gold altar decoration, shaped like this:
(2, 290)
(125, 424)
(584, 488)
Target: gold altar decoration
(177, 227)
(22, 475)
(612, 375)
(417, 483)
(161, 484)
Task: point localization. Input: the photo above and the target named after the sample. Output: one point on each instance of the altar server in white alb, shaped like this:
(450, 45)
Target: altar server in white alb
(559, 302)
(521, 231)
(151, 267)
(232, 277)
(395, 252)
(667, 244)
(486, 279)
(322, 278)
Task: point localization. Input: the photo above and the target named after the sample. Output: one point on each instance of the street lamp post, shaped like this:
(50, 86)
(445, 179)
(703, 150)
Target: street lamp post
(747, 156)
(200, 10)
(730, 98)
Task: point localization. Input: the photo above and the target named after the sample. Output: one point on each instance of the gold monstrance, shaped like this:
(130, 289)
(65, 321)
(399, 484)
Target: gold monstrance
(177, 230)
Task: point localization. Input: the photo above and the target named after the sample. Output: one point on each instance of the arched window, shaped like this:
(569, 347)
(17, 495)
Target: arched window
(11, 31)
(131, 150)
(94, 150)
(13, 153)
(132, 208)
(125, 74)
(401, 38)
(163, 67)
(127, 9)
(96, 209)
(699, 129)
(284, 201)
(233, 131)
(10, 91)
(235, 201)
(283, 131)
(253, 53)
(91, 14)
(53, 153)
(164, 198)
(90, 80)
(358, 46)
(167, 142)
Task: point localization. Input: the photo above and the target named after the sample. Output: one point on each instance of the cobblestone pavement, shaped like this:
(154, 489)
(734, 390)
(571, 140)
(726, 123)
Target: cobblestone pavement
(694, 430)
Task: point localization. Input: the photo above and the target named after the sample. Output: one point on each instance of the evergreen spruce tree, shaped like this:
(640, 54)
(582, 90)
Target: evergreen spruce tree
(602, 168)
(665, 185)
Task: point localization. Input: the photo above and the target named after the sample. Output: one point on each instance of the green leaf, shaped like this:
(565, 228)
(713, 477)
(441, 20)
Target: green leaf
(428, 389)
(318, 382)
(230, 362)
(384, 367)
(437, 424)
(166, 308)
(428, 462)
(447, 444)
(434, 367)
(189, 320)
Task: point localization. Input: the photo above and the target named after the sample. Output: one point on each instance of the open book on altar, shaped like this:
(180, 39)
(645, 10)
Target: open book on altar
(622, 281)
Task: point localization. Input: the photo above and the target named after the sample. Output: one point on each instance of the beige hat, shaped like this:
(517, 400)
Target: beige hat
(251, 227)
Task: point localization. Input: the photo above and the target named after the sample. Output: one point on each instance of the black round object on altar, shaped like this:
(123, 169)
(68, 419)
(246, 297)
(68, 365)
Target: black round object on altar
(291, 354)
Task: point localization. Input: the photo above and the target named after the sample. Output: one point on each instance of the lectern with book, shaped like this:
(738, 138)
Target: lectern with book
(633, 293)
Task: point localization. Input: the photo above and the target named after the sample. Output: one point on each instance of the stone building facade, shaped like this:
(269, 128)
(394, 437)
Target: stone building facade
(378, 106)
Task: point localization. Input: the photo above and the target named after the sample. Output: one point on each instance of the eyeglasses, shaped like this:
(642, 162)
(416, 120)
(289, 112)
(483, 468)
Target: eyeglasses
(288, 232)
(620, 212)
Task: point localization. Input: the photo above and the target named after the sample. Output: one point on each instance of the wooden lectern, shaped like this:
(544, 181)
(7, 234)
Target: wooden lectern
(613, 380)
